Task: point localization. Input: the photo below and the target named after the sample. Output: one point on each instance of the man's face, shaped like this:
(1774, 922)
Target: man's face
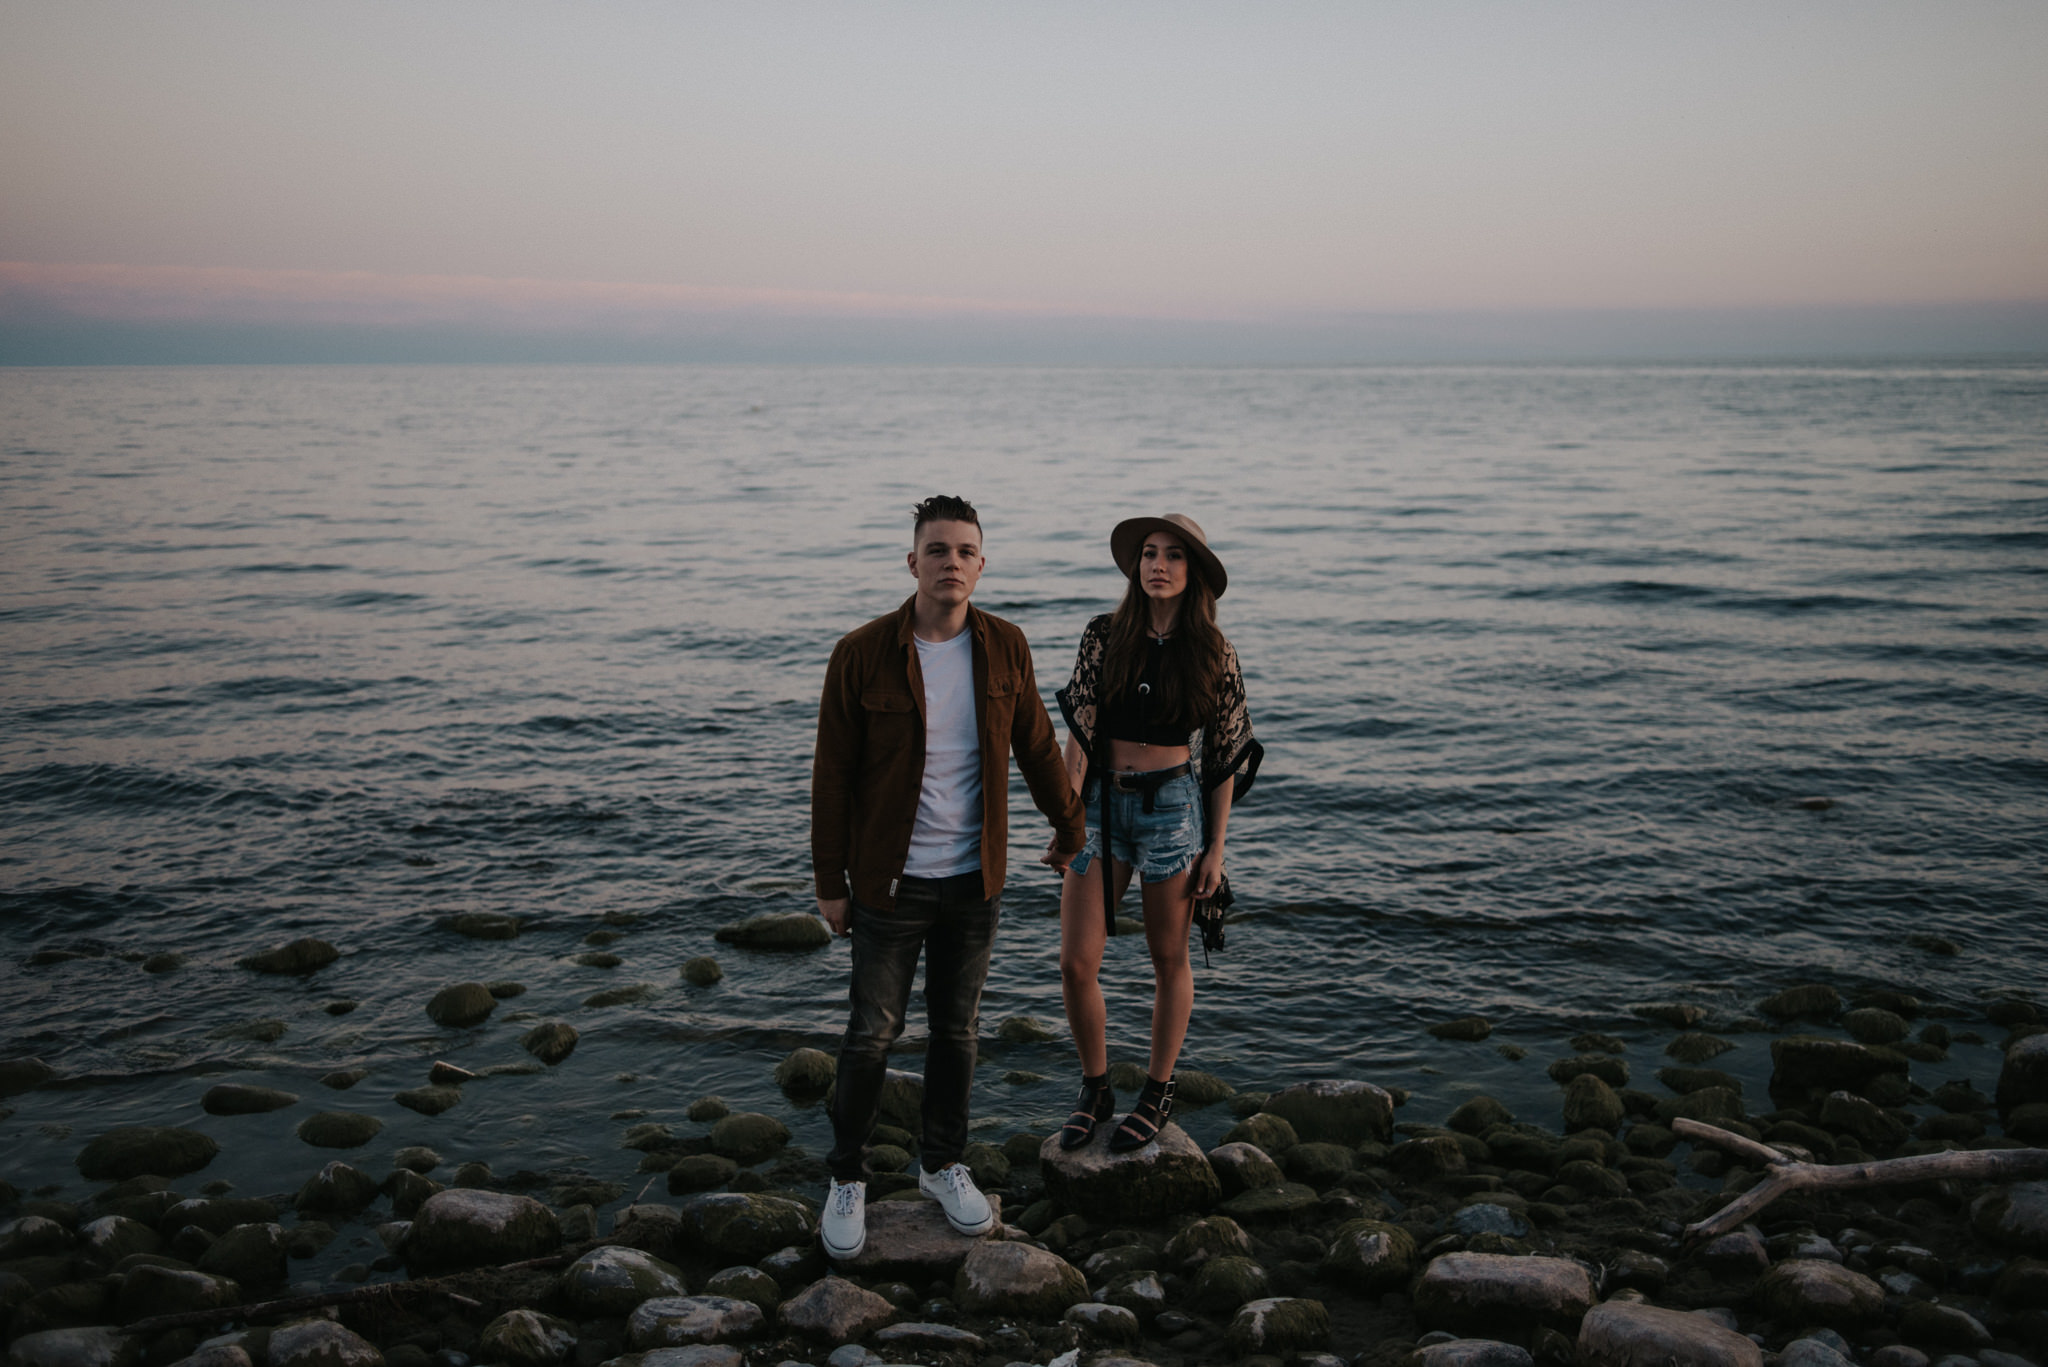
(947, 561)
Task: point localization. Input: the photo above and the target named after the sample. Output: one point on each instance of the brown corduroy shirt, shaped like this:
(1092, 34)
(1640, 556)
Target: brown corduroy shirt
(869, 765)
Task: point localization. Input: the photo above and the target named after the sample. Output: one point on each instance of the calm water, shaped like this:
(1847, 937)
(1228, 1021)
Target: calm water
(1550, 664)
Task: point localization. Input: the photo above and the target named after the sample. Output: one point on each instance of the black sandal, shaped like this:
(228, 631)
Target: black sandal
(1146, 1119)
(1096, 1104)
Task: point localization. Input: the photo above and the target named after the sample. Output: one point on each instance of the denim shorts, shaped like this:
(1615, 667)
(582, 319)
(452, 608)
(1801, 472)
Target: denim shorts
(1158, 844)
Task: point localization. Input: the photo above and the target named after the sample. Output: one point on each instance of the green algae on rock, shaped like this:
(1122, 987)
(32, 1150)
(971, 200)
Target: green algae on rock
(133, 1150)
(300, 956)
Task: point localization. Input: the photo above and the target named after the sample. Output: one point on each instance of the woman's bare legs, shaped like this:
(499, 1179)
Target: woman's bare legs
(1168, 912)
(1081, 941)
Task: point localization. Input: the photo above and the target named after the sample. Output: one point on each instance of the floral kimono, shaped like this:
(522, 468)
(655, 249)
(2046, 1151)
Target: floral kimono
(1221, 748)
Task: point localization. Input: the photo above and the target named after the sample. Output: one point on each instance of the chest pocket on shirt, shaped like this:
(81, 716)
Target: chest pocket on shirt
(874, 700)
(1003, 692)
(887, 712)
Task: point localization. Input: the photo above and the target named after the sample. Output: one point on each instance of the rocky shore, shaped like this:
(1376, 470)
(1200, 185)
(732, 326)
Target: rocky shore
(1327, 1226)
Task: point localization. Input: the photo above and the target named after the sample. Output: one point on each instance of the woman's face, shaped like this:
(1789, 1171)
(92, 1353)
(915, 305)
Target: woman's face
(1163, 567)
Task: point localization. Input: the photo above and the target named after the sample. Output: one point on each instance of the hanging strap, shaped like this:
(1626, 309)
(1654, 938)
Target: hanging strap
(1102, 791)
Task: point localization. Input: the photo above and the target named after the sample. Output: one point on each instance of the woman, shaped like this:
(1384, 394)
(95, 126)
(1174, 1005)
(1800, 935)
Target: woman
(1157, 706)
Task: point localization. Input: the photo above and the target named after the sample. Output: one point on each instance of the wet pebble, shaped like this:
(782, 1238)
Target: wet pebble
(339, 1129)
(461, 1004)
(550, 1041)
(788, 931)
(300, 956)
(431, 1100)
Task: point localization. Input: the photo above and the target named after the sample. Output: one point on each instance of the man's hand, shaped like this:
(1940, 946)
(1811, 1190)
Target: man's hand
(838, 914)
(1054, 859)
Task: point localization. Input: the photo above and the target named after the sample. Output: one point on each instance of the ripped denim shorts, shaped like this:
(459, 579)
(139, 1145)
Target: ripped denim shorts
(1158, 844)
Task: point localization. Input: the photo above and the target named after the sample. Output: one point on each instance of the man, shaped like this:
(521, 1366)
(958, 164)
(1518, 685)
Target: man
(909, 828)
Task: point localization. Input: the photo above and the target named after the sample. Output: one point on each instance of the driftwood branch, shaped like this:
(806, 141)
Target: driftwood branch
(1783, 1173)
(294, 1305)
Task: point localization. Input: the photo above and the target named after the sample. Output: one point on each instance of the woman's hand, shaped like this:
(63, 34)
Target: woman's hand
(1052, 857)
(1209, 872)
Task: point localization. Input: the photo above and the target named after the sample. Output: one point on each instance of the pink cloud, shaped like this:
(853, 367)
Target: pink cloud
(107, 292)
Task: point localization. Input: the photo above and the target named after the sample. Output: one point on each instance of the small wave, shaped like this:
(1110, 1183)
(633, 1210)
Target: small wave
(1368, 728)
(282, 567)
(1644, 591)
(278, 686)
(111, 785)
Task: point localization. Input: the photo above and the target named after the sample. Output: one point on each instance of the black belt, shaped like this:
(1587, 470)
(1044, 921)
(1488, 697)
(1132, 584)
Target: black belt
(1147, 784)
(951, 883)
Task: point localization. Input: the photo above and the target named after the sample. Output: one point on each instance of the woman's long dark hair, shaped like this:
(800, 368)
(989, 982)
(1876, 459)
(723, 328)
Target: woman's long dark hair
(1191, 672)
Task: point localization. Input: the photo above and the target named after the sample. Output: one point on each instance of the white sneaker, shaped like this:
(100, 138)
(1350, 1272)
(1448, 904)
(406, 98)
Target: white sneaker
(844, 1229)
(953, 1188)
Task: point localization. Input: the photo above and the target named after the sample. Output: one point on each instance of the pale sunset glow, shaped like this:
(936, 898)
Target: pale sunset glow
(1294, 177)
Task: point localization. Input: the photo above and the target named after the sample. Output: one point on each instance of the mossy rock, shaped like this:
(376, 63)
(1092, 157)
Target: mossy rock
(1468, 1028)
(1263, 1204)
(1194, 1089)
(989, 1164)
(777, 932)
(1263, 1131)
(1278, 1325)
(462, 1004)
(1687, 1080)
(550, 1041)
(1695, 1047)
(1809, 1001)
(887, 1158)
(1228, 1281)
(745, 1284)
(1371, 1255)
(748, 1137)
(1479, 1114)
(430, 1100)
(133, 1150)
(1025, 1030)
(1610, 1070)
(1215, 1236)
(1335, 1111)
(339, 1129)
(621, 996)
(805, 1072)
(241, 1098)
(701, 971)
(1590, 1104)
(744, 1227)
(700, 1172)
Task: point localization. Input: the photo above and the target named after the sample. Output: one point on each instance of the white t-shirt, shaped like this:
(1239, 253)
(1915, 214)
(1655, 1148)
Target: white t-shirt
(947, 837)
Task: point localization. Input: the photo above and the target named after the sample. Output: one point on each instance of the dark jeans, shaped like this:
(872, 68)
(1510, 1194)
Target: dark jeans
(947, 919)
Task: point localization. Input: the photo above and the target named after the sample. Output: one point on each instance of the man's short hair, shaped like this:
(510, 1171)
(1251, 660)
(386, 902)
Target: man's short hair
(942, 508)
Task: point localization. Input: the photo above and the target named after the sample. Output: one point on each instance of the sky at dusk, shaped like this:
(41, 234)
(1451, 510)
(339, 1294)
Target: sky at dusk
(251, 181)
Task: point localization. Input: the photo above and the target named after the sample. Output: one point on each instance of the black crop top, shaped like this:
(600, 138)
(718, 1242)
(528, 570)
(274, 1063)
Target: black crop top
(1130, 715)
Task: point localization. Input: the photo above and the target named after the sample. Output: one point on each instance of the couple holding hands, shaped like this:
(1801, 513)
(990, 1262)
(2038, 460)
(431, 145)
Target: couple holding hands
(921, 711)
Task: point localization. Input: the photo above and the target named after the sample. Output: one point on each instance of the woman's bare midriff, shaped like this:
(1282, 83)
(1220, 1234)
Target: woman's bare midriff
(1130, 757)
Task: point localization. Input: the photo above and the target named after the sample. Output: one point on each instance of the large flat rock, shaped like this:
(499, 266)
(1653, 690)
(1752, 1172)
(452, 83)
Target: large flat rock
(911, 1241)
(1618, 1334)
(1168, 1176)
(1480, 1292)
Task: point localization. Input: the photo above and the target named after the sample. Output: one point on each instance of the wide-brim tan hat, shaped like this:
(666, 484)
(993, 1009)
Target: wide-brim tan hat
(1129, 539)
